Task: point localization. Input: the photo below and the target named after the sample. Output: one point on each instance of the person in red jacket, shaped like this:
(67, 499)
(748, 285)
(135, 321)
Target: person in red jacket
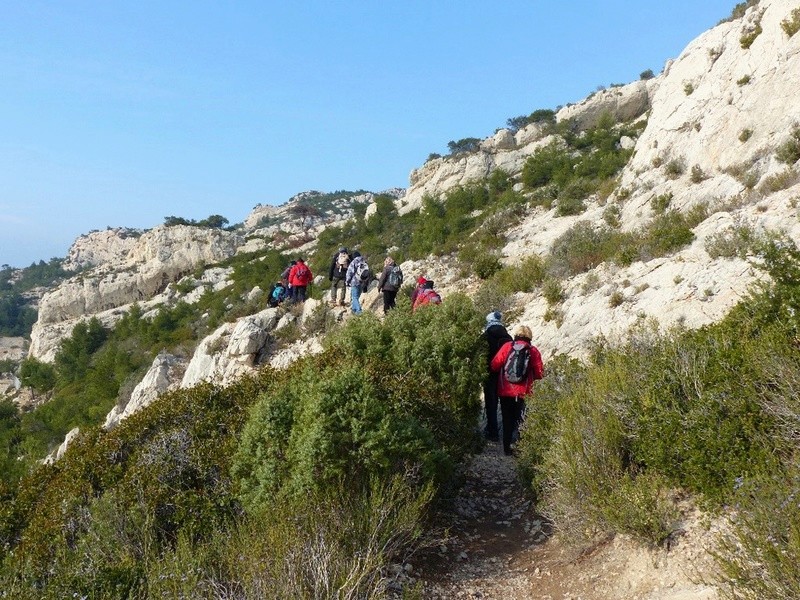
(516, 376)
(299, 278)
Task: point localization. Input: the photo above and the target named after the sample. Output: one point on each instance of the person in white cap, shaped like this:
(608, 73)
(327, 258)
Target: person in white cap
(495, 335)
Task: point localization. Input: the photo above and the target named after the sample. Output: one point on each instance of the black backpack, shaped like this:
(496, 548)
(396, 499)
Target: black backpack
(362, 272)
(395, 277)
(518, 362)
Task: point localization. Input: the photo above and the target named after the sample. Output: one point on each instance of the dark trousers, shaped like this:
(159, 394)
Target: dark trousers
(388, 300)
(512, 410)
(338, 288)
(490, 402)
(299, 293)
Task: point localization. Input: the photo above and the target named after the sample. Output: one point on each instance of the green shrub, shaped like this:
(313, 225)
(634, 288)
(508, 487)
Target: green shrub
(675, 168)
(579, 249)
(779, 181)
(745, 134)
(478, 260)
(640, 505)
(89, 522)
(743, 80)
(551, 163)
(791, 24)
(616, 299)
(522, 277)
(697, 174)
(666, 234)
(739, 241)
(647, 74)
(750, 36)
(759, 555)
(688, 88)
(789, 151)
(740, 9)
(611, 215)
(661, 203)
(369, 406)
(553, 292)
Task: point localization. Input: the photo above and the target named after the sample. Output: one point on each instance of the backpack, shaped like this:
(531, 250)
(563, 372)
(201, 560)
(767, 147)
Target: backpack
(301, 274)
(395, 277)
(427, 296)
(362, 272)
(277, 293)
(343, 260)
(518, 363)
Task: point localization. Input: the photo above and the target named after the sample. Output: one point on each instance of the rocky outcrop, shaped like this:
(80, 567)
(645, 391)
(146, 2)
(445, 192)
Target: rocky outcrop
(13, 348)
(509, 152)
(161, 256)
(720, 110)
(622, 103)
(100, 247)
(231, 350)
(163, 375)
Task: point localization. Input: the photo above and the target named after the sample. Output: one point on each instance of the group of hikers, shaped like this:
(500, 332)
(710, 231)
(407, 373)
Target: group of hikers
(349, 270)
(514, 363)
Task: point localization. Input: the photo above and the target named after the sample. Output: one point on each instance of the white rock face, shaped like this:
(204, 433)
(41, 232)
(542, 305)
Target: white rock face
(713, 92)
(231, 350)
(13, 348)
(100, 247)
(59, 452)
(161, 256)
(622, 103)
(162, 376)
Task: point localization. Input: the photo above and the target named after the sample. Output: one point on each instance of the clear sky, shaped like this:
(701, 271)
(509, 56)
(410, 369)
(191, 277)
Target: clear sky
(122, 113)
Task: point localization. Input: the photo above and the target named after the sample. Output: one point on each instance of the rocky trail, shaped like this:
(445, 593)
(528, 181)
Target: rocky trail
(497, 546)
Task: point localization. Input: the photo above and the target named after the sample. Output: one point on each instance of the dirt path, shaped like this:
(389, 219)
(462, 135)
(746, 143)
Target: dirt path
(500, 548)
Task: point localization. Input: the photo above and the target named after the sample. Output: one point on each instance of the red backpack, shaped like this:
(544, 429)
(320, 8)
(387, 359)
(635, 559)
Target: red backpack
(302, 273)
(427, 296)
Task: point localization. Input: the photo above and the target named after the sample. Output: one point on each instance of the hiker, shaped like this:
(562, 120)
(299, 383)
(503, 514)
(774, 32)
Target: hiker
(496, 336)
(389, 283)
(420, 282)
(337, 274)
(518, 363)
(299, 278)
(277, 294)
(357, 279)
(426, 295)
(285, 279)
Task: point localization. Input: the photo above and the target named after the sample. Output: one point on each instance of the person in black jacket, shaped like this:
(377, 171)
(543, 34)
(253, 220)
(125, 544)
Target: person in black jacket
(496, 336)
(337, 273)
(389, 283)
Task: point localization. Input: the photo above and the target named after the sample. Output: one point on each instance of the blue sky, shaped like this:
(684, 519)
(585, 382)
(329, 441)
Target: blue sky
(120, 114)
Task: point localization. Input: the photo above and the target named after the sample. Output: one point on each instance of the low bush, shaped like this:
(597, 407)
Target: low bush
(749, 36)
(383, 397)
(580, 249)
(789, 151)
(739, 241)
(525, 276)
(713, 411)
(791, 24)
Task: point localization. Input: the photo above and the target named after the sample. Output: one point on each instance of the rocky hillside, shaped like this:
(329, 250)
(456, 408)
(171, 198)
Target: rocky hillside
(710, 131)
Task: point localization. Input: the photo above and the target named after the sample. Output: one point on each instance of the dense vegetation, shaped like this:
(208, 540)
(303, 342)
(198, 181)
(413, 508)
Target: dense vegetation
(713, 412)
(16, 314)
(342, 451)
